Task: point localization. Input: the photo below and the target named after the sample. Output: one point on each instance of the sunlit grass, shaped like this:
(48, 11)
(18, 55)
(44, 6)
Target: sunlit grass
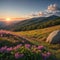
(39, 36)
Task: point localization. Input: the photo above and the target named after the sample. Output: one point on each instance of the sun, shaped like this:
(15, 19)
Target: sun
(8, 19)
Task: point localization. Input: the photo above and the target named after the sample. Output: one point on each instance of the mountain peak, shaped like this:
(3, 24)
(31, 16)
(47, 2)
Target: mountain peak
(55, 16)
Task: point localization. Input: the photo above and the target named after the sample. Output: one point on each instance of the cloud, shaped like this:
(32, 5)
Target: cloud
(41, 14)
(53, 8)
(37, 14)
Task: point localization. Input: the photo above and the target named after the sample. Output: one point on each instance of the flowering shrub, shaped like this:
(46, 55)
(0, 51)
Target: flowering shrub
(4, 33)
(22, 51)
(25, 52)
(10, 39)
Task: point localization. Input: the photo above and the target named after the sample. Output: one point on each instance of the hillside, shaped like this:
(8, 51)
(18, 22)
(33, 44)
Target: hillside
(11, 39)
(31, 24)
(27, 42)
(38, 37)
(39, 34)
(36, 23)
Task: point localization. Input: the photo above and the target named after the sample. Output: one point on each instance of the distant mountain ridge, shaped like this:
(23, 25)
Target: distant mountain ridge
(33, 23)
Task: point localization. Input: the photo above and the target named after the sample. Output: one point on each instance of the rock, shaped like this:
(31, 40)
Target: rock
(54, 37)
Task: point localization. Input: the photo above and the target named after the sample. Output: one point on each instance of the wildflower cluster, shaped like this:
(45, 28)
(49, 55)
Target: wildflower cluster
(25, 52)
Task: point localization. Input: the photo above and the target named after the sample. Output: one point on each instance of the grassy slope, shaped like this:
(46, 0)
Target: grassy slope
(39, 34)
(35, 36)
(12, 40)
(36, 23)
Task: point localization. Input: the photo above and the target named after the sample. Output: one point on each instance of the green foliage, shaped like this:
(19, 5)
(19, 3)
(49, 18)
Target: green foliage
(37, 25)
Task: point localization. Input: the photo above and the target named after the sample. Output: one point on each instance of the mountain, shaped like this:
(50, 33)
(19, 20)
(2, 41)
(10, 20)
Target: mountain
(31, 24)
(30, 21)
(36, 23)
(52, 17)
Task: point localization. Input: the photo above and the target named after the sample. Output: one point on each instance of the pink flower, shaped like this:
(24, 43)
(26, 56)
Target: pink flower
(18, 46)
(9, 49)
(48, 54)
(18, 55)
(40, 47)
(3, 49)
(14, 48)
(27, 45)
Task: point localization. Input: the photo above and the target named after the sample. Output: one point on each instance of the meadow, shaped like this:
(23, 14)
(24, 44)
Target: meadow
(28, 45)
(38, 37)
(29, 29)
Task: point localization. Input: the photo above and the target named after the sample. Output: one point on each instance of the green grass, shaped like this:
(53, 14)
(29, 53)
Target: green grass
(39, 36)
(36, 37)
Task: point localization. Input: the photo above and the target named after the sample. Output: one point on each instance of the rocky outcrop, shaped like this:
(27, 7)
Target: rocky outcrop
(54, 37)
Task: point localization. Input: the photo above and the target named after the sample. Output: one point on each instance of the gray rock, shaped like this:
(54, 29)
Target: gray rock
(54, 37)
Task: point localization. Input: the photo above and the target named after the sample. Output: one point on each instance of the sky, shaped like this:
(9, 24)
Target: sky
(21, 9)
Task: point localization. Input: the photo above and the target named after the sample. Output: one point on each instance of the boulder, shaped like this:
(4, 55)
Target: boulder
(54, 37)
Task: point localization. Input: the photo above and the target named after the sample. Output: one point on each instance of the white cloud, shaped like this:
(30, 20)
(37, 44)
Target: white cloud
(41, 14)
(51, 10)
(37, 14)
(52, 7)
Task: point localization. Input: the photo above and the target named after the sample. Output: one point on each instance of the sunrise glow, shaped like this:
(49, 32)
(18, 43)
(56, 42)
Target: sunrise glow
(8, 19)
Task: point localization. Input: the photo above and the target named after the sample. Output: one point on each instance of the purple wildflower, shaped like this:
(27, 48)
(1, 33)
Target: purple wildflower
(27, 45)
(48, 54)
(18, 46)
(40, 47)
(18, 55)
(9, 49)
(3, 49)
(44, 55)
